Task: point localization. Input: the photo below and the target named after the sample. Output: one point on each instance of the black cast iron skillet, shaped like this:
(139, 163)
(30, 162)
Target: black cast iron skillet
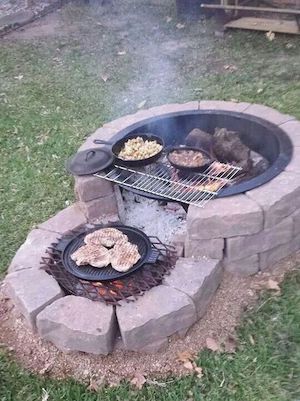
(88, 272)
(187, 169)
(117, 146)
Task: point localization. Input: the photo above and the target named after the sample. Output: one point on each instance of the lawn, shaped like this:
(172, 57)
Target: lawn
(61, 83)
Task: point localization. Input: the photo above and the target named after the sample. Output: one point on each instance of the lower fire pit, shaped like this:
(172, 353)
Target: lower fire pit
(242, 234)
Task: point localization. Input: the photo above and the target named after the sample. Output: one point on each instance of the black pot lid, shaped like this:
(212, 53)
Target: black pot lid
(89, 161)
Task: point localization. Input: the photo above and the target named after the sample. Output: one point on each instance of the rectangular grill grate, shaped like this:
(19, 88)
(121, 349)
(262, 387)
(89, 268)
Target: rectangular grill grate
(164, 180)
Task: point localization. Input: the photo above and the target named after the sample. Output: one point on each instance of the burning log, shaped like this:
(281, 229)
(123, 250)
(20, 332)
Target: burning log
(200, 139)
(228, 148)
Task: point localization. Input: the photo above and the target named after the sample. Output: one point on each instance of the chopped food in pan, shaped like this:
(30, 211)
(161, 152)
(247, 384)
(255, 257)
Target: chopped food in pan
(139, 149)
(188, 158)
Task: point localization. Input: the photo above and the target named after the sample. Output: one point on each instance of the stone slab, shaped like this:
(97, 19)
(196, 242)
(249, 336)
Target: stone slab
(292, 129)
(294, 164)
(242, 267)
(161, 312)
(211, 248)
(174, 108)
(245, 246)
(269, 258)
(30, 253)
(226, 217)
(99, 207)
(130, 119)
(78, 324)
(198, 278)
(278, 198)
(269, 114)
(31, 290)
(66, 220)
(89, 187)
(223, 105)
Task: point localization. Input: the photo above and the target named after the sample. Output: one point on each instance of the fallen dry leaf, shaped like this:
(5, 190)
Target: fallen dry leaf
(212, 344)
(45, 395)
(122, 53)
(199, 372)
(104, 77)
(270, 36)
(138, 381)
(259, 90)
(96, 384)
(251, 339)
(180, 26)
(188, 365)
(273, 285)
(185, 356)
(169, 19)
(142, 104)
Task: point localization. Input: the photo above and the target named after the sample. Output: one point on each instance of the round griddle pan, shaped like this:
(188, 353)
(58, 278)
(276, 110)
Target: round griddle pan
(186, 169)
(117, 146)
(88, 272)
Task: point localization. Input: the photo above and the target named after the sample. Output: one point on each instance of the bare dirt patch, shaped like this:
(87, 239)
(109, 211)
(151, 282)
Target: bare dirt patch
(234, 296)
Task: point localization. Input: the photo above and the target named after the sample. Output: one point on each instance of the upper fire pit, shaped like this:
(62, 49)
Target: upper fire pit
(258, 134)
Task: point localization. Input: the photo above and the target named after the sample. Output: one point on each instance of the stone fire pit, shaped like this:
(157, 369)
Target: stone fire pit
(242, 234)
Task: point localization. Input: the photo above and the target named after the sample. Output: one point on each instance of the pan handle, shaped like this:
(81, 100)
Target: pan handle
(101, 142)
(152, 257)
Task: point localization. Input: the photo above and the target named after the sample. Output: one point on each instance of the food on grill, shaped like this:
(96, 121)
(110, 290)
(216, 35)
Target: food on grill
(105, 236)
(188, 158)
(211, 186)
(124, 255)
(139, 149)
(94, 255)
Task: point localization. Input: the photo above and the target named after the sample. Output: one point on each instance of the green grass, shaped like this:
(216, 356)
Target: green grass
(61, 98)
(267, 370)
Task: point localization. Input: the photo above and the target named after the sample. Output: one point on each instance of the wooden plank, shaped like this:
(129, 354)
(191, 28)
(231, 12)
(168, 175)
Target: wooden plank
(264, 24)
(247, 8)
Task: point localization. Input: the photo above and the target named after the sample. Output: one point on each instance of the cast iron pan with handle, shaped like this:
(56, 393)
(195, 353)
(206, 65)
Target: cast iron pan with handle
(88, 272)
(187, 169)
(117, 146)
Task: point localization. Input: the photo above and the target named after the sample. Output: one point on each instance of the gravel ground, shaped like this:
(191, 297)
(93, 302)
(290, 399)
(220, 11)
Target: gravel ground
(234, 296)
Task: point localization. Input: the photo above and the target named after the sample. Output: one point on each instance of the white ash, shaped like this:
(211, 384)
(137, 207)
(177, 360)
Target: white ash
(153, 218)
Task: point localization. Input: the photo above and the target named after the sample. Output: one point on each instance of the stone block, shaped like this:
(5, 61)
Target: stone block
(292, 129)
(130, 119)
(269, 258)
(89, 187)
(267, 113)
(161, 312)
(105, 134)
(174, 108)
(198, 278)
(78, 324)
(242, 247)
(30, 253)
(99, 207)
(225, 217)
(242, 267)
(120, 203)
(294, 164)
(222, 105)
(211, 248)
(278, 198)
(31, 290)
(66, 220)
